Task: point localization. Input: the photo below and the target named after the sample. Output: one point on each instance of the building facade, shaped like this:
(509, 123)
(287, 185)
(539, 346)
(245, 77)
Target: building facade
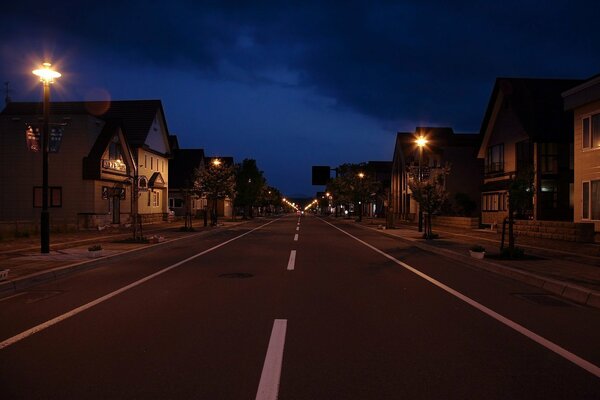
(443, 148)
(584, 101)
(105, 148)
(526, 131)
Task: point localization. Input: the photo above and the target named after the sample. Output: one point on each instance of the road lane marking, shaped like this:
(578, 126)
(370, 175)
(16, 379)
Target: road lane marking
(564, 353)
(268, 387)
(13, 296)
(292, 260)
(296, 237)
(297, 228)
(38, 328)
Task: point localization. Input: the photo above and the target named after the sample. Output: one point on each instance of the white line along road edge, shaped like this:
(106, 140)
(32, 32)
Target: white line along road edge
(292, 261)
(75, 311)
(268, 387)
(564, 353)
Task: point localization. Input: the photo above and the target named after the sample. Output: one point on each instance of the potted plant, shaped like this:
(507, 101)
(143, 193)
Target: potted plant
(477, 251)
(95, 251)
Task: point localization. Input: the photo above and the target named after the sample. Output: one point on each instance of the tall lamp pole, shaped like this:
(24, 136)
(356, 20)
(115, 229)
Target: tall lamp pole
(47, 76)
(421, 142)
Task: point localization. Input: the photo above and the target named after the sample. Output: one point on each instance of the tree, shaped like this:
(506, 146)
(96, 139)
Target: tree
(430, 193)
(355, 183)
(215, 181)
(269, 198)
(249, 183)
(520, 199)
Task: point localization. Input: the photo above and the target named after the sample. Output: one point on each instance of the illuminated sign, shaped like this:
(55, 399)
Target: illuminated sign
(115, 165)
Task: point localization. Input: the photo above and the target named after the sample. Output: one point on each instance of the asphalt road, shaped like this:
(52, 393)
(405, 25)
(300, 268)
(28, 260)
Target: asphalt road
(299, 309)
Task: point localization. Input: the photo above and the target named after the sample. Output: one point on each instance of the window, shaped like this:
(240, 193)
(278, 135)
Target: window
(548, 158)
(524, 154)
(591, 200)
(549, 194)
(494, 160)
(155, 199)
(591, 132)
(115, 151)
(494, 201)
(151, 162)
(54, 196)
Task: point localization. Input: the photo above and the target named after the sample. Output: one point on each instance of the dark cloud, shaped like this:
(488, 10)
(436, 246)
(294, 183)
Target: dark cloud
(389, 60)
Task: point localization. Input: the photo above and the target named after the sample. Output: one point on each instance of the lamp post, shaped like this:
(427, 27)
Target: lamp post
(421, 142)
(47, 76)
(361, 176)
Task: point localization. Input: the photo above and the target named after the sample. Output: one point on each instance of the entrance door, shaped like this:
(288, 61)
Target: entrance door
(116, 209)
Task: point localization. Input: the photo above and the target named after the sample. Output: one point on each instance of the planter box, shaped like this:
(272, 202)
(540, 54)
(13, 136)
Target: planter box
(95, 253)
(4, 274)
(477, 254)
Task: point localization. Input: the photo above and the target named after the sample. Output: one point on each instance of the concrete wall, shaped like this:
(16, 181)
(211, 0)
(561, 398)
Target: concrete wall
(569, 231)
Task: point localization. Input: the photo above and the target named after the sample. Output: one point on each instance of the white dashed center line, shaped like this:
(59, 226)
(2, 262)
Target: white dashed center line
(292, 261)
(296, 237)
(268, 388)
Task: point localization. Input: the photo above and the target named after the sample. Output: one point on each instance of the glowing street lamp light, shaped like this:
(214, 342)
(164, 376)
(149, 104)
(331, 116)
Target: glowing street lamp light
(216, 162)
(47, 76)
(421, 141)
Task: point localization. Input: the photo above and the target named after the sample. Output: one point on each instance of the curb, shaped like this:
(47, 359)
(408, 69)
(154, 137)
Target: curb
(569, 291)
(26, 281)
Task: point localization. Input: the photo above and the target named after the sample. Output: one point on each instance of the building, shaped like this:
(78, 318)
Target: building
(583, 101)
(182, 168)
(525, 128)
(105, 147)
(443, 148)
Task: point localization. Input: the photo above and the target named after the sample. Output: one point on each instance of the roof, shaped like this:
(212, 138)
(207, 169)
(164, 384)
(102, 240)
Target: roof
(182, 165)
(136, 116)
(585, 93)
(537, 103)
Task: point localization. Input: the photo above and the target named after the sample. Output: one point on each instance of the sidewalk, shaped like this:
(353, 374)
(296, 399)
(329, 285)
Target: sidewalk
(567, 269)
(69, 251)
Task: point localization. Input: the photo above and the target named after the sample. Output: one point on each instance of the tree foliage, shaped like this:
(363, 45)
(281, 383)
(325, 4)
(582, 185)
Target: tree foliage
(250, 184)
(430, 193)
(354, 184)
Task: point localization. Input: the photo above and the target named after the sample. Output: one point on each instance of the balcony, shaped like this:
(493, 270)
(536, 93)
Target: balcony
(494, 168)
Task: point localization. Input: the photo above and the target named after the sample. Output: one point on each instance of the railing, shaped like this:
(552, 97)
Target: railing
(494, 168)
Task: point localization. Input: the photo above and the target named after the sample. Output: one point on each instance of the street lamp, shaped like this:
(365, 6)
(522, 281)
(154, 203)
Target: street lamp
(47, 76)
(421, 142)
(361, 175)
(216, 162)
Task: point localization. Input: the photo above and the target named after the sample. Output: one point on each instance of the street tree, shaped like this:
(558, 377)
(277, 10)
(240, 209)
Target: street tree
(215, 181)
(430, 193)
(249, 184)
(520, 199)
(355, 183)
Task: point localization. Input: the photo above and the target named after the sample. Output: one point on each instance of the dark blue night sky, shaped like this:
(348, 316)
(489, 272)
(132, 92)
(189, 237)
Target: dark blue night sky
(294, 84)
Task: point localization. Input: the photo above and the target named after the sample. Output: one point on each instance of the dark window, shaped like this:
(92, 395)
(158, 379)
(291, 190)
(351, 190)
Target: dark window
(54, 196)
(115, 152)
(548, 158)
(591, 131)
(524, 152)
(586, 200)
(595, 200)
(549, 194)
(494, 160)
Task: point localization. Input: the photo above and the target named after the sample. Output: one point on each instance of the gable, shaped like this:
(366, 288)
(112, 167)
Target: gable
(157, 138)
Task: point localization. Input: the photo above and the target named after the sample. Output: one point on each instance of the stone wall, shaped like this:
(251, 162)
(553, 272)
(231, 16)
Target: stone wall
(569, 231)
(456, 222)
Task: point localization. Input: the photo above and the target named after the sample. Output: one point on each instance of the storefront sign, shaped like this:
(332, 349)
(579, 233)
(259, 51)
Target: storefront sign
(115, 165)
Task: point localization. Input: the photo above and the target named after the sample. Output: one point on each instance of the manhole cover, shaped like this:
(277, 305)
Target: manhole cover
(544, 299)
(236, 275)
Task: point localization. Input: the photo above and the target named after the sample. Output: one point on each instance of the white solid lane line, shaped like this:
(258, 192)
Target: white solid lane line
(296, 237)
(75, 311)
(292, 260)
(268, 388)
(575, 359)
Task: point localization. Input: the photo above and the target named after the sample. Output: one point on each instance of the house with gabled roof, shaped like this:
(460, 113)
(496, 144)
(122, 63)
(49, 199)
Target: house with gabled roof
(106, 147)
(584, 101)
(443, 148)
(526, 128)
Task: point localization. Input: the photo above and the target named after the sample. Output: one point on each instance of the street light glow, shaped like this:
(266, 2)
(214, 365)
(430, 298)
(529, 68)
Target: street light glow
(361, 175)
(216, 162)
(421, 141)
(46, 74)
